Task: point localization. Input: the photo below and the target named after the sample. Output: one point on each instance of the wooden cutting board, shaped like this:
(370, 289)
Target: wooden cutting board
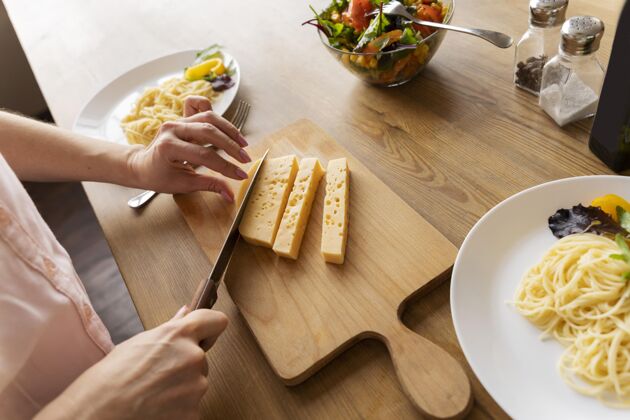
(305, 312)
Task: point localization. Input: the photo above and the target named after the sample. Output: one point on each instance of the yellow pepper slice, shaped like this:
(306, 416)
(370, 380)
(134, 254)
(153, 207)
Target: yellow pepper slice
(201, 70)
(609, 202)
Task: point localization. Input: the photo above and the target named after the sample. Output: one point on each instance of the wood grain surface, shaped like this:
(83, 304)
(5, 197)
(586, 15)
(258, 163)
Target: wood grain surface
(305, 312)
(452, 143)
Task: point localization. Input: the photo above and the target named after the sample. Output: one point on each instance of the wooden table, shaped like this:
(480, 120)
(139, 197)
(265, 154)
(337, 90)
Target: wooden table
(453, 143)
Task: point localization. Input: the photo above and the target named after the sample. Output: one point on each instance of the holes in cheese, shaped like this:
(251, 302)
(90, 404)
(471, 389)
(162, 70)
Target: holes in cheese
(298, 209)
(268, 199)
(335, 222)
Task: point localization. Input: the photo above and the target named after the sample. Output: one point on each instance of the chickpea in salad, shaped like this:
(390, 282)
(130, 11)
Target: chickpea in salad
(350, 29)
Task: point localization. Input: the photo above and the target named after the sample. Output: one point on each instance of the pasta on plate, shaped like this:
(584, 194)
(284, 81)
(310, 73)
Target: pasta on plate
(578, 294)
(159, 104)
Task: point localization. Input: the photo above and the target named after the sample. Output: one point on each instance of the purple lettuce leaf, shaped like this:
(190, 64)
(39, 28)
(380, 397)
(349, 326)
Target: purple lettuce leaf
(580, 219)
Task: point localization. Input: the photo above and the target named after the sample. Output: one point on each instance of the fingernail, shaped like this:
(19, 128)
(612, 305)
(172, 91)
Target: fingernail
(242, 140)
(245, 156)
(227, 196)
(241, 173)
(182, 310)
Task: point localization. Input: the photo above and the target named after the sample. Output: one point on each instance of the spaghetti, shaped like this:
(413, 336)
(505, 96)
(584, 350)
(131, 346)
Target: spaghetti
(159, 104)
(577, 295)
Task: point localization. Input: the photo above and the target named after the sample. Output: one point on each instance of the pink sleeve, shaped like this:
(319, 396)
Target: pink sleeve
(49, 332)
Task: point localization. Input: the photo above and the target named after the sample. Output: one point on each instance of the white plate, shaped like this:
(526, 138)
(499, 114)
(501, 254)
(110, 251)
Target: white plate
(102, 115)
(502, 347)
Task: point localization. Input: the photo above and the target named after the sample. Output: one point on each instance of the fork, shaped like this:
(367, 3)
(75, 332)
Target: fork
(499, 39)
(238, 120)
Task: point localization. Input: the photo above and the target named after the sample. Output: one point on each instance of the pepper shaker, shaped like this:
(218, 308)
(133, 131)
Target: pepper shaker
(572, 80)
(538, 43)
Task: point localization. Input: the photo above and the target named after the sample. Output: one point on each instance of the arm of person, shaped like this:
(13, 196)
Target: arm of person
(160, 373)
(42, 152)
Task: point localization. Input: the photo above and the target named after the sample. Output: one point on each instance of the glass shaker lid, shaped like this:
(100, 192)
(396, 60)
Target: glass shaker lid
(581, 35)
(545, 13)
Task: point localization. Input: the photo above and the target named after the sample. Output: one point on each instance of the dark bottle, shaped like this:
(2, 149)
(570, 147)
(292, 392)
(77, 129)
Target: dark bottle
(610, 136)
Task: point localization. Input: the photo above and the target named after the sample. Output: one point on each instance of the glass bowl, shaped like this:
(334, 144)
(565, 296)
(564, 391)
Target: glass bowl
(396, 67)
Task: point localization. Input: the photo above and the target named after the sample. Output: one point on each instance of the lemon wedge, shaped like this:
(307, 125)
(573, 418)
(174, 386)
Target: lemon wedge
(609, 202)
(199, 71)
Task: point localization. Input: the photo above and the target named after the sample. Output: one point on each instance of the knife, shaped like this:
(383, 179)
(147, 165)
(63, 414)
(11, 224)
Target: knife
(208, 295)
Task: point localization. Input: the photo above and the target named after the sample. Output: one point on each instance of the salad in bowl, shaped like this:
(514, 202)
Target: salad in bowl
(378, 48)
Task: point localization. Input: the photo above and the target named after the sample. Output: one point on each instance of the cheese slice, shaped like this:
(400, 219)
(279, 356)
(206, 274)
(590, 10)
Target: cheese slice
(335, 222)
(298, 209)
(268, 200)
(244, 184)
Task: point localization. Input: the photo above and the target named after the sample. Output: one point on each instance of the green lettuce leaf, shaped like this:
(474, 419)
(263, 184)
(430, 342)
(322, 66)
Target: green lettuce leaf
(624, 218)
(625, 253)
(408, 37)
(375, 28)
(213, 51)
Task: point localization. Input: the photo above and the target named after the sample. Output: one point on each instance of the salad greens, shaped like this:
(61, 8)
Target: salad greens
(625, 253)
(349, 27)
(624, 218)
(339, 35)
(382, 49)
(374, 30)
(624, 221)
(210, 65)
(213, 51)
(408, 37)
(580, 219)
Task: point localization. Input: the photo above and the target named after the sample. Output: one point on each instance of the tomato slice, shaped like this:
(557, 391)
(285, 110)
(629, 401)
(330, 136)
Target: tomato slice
(429, 13)
(358, 10)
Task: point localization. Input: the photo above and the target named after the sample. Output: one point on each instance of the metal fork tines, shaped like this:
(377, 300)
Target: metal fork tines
(238, 120)
(240, 115)
(395, 8)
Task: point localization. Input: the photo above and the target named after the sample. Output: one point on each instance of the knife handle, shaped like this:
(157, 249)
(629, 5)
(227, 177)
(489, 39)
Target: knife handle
(205, 296)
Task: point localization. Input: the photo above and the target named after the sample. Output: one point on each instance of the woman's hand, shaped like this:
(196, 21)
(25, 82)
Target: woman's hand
(158, 374)
(160, 167)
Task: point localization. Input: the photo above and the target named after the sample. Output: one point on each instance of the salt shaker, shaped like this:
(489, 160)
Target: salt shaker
(572, 80)
(538, 43)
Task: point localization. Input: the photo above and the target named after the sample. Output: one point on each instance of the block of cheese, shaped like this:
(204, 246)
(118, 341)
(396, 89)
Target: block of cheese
(244, 184)
(268, 200)
(335, 222)
(298, 209)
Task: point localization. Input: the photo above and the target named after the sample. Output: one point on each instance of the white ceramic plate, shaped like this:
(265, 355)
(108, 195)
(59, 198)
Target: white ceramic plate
(102, 115)
(502, 347)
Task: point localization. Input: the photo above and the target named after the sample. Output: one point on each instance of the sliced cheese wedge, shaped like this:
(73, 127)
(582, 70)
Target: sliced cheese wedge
(268, 200)
(335, 222)
(298, 209)
(244, 185)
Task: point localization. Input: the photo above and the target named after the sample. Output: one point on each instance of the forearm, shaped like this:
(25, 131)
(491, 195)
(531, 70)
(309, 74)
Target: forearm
(83, 399)
(42, 152)
(60, 408)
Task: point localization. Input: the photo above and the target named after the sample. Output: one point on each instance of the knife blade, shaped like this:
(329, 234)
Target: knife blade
(208, 296)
